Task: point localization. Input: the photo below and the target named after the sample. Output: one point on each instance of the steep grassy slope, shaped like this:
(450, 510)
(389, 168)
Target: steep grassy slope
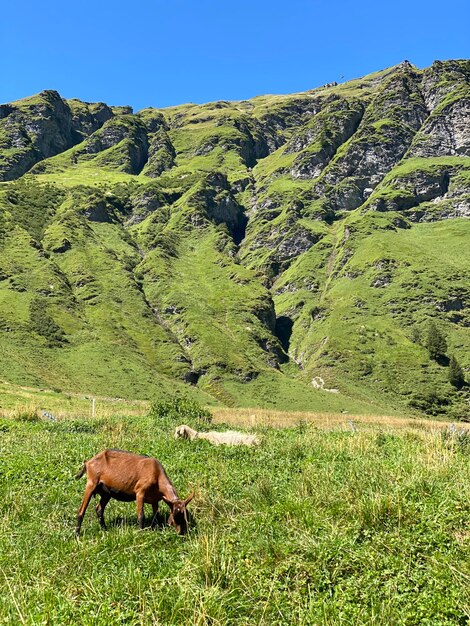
(240, 251)
(313, 527)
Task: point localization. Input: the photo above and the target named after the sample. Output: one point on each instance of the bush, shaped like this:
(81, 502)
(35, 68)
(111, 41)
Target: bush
(415, 335)
(435, 342)
(430, 402)
(179, 410)
(43, 324)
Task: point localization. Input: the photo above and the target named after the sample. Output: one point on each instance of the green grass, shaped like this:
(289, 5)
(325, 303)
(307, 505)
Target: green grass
(82, 175)
(356, 305)
(314, 527)
(121, 284)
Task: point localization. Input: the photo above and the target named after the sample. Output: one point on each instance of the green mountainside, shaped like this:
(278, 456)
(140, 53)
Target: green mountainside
(298, 252)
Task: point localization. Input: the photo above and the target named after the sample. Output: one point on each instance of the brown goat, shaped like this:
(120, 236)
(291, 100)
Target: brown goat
(126, 476)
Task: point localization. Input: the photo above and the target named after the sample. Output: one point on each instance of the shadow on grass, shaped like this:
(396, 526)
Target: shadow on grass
(159, 522)
(121, 521)
(443, 360)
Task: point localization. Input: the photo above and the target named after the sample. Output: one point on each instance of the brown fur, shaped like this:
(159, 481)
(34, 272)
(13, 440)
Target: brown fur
(126, 476)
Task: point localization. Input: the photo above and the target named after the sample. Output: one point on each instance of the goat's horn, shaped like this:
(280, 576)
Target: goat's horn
(189, 498)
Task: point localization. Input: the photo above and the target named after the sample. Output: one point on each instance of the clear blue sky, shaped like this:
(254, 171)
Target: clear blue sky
(164, 52)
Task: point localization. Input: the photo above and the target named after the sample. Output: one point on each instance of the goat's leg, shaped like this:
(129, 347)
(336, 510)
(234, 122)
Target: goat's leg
(89, 490)
(156, 516)
(100, 509)
(139, 501)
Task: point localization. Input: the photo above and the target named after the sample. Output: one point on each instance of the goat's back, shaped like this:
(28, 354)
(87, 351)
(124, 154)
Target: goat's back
(122, 470)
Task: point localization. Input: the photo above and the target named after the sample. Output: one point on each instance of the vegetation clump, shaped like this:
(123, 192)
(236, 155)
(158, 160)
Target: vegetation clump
(26, 413)
(179, 410)
(435, 342)
(43, 324)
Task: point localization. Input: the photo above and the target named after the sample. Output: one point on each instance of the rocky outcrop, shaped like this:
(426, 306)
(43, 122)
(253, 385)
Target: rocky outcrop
(33, 129)
(447, 131)
(423, 194)
(153, 119)
(213, 200)
(318, 140)
(403, 193)
(88, 117)
(385, 133)
(441, 79)
(42, 126)
(161, 154)
(122, 143)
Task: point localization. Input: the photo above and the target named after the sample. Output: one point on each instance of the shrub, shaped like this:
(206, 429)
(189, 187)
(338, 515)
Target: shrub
(178, 410)
(43, 324)
(430, 402)
(435, 342)
(415, 335)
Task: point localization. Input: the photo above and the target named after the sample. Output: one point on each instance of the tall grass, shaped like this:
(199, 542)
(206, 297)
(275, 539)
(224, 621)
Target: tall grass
(313, 527)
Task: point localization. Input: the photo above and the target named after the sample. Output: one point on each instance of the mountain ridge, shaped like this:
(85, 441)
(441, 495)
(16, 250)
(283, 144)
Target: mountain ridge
(229, 246)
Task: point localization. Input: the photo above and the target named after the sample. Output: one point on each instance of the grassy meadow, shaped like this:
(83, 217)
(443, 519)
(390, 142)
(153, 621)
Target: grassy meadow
(333, 519)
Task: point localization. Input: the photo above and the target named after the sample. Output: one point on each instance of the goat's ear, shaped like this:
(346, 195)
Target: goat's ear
(188, 499)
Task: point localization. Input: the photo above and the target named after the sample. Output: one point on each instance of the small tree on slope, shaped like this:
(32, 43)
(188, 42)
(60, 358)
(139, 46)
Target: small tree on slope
(435, 342)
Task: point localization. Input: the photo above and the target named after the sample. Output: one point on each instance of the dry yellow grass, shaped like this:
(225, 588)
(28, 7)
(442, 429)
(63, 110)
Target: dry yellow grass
(15, 399)
(255, 418)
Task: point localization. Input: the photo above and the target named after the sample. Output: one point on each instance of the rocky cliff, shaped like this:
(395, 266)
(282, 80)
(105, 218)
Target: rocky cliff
(251, 252)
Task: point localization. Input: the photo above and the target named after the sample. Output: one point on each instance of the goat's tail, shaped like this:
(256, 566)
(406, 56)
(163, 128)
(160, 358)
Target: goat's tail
(81, 472)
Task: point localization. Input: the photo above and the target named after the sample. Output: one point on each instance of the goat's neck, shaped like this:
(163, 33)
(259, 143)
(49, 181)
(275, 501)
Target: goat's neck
(193, 434)
(168, 491)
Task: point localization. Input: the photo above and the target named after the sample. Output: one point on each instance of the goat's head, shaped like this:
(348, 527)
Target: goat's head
(179, 516)
(181, 432)
(185, 432)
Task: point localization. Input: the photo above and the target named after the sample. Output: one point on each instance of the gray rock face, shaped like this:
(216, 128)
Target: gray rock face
(385, 133)
(283, 242)
(288, 116)
(88, 117)
(128, 133)
(429, 194)
(445, 133)
(153, 119)
(161, 154)
(416, 188)
(34, 128)
(42, 126)
(287, 247)
(219, 204)
(441, 79)
(249, 139)
(256, 146)
(319, 140)
(144, 202)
